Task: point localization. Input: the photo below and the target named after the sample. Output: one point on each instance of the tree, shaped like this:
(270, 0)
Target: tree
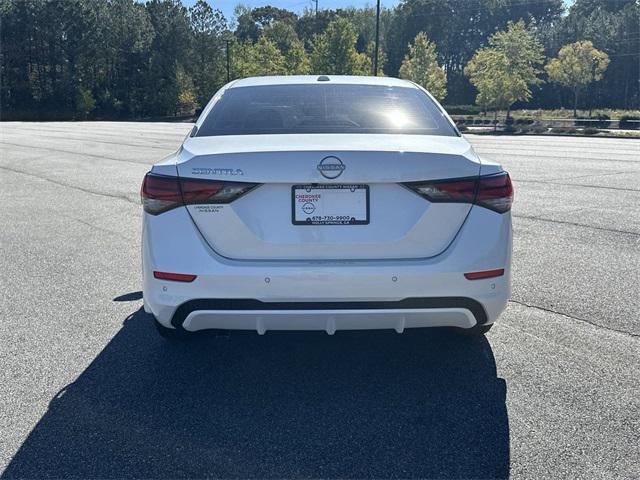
(283, 36)
(170, 47)
(459, 28)
(420, 65)
(370, 52)
(252, 22)
(207, 66)
(334, 51)
(512, 60)
(577, 65)
(498, 87)
(257, 59)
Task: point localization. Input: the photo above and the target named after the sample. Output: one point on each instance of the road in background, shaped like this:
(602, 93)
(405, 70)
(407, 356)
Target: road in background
(90, 390)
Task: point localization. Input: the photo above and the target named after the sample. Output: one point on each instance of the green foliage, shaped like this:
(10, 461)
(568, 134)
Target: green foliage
(576, 66)
(207, 65)
(420, 65)
(284, 37)
(257, 59)
(498, 88)
(186, 92)
(132, 58)
(334, 51)
(85, 102)
(459, 28)
(503, 72)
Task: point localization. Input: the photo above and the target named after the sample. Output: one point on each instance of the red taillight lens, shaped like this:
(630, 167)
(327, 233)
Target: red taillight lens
(195, 191)
(449, 191)
(161, 193)
(495, 192)
(492, 191)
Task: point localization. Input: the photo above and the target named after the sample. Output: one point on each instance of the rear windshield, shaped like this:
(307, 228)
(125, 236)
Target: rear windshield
(282, 109)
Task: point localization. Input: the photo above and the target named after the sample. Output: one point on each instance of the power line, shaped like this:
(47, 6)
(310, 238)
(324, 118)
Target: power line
(375, 55)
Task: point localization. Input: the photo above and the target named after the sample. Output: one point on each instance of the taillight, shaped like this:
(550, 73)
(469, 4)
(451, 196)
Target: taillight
(449, 191)
(494, 192)
(161, 193)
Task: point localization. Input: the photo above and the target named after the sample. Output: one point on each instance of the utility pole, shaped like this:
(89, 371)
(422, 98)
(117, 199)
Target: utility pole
(228, 63)
(375, 54)
(316, 1)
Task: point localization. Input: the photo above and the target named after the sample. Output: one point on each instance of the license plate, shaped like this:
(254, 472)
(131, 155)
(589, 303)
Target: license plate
(330, 204)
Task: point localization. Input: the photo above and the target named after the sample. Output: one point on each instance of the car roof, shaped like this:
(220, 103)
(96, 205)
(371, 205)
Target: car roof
(321, 80)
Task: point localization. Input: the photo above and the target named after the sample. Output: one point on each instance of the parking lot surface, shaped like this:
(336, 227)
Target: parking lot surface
(90, 390)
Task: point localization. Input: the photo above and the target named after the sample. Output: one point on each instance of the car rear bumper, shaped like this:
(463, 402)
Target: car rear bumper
(328, 316)
(325, 295)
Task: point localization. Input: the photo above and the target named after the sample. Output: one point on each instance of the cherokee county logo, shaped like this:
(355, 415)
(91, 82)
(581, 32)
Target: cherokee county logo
(308, 208)
(331, 167)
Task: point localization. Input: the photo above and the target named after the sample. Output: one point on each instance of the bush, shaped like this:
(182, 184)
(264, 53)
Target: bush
(524, 121)
(590, 131)
(539, 129)
(602, 120)
(563, 130)
(629, 122)
(462, 128)
(463, 109)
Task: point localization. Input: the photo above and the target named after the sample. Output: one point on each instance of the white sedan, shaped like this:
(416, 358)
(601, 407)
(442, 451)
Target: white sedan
(325, 203)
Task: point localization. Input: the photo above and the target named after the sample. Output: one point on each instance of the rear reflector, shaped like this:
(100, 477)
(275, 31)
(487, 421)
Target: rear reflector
(484, 274)
(176, 277)
(494, 192)
(161, 193)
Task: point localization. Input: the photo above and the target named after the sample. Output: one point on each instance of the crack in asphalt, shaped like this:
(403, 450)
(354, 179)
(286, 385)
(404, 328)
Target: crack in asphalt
(578, 319)
(157, 145)
(499, 153)
(546, 182)
(91, 225)
(61, 184)
(82, 154)
(612, 230)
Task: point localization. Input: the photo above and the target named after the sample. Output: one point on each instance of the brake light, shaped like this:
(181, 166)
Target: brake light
(494, 192)
(161, 193)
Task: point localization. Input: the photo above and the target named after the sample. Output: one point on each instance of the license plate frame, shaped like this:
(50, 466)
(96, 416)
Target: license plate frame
(329, 220)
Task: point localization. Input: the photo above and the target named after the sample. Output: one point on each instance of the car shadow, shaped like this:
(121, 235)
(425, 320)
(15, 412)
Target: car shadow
(297, 404)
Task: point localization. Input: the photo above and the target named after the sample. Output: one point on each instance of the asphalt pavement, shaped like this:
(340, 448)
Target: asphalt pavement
(89, 390)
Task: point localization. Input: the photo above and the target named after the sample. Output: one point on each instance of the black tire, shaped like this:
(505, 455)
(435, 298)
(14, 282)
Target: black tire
(172, 334)
(475, 331)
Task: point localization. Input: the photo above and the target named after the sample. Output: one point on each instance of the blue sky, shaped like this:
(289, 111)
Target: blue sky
(227, 6)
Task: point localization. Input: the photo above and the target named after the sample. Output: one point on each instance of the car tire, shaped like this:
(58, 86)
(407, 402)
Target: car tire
(172, 334)
(475, 331)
